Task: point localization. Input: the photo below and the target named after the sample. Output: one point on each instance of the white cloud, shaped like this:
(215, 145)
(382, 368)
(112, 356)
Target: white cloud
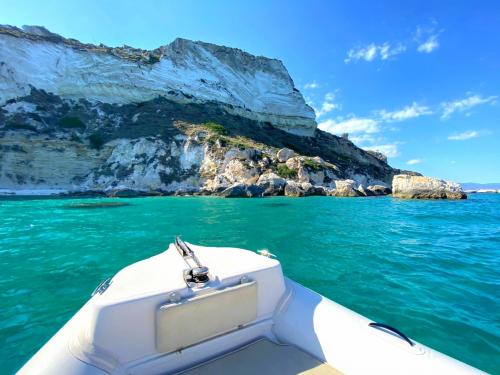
(350, 125)
(311, 85)
(462, 105)
(390, 150)
(387, 51)
(429, 45)
(328, 105)
(427, 38)
(413, 161)
(363, 131)
(408, 112)
(373, 51)
(363, 139)
(367, 53)
(464, 136)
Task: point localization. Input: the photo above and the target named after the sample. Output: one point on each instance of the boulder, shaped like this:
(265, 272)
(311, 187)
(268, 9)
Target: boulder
(303, 189)
(317, 190)
(421, 187)
(345, 188)
(264, 163)
(242, 154)
(303, 175)
(294, 163)
(319, 160)
(217, 184)
(272, 184)
(379, 190)
(365, 191)
(294, 189)
(307, 188)
(242, 191)
(234, 191)
(254, 191)
(317, 178)
(284, 154)
(239, 171)
(311, 170)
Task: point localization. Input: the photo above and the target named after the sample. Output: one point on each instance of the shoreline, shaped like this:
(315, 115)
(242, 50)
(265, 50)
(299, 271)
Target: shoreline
(49, 194)
(39, 194)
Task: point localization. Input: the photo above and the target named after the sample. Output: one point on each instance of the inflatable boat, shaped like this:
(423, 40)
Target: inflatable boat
(210, 310)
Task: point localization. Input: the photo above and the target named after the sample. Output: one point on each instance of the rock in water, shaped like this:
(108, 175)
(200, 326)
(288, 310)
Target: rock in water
(345, 188)
(254, 191)
(380, 189)
(421, 187)
(294, 189)
(303, 189)
(365, 191)
(242, 191)
(272, 184)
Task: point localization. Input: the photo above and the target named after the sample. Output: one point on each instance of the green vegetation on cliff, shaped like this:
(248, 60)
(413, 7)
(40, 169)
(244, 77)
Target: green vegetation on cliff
(285, 172)
(215, 128)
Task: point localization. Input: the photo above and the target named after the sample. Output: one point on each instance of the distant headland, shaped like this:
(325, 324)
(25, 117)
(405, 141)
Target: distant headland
(187, 118)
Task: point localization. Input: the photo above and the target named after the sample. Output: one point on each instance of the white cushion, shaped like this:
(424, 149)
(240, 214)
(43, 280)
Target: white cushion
(179, 325)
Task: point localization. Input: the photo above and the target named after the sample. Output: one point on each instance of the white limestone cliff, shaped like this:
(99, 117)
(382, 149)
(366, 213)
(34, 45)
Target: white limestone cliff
(254, 87)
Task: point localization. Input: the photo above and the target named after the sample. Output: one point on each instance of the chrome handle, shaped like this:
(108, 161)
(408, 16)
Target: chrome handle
(101, 288)
(393, 330)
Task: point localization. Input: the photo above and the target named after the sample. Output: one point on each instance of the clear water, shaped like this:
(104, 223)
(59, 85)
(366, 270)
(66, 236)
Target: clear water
(430, 268)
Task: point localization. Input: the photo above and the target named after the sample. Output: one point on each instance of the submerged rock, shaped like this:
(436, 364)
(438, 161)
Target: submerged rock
(421, 187)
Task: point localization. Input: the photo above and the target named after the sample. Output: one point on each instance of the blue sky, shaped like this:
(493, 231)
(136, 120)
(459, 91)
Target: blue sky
(418, 80)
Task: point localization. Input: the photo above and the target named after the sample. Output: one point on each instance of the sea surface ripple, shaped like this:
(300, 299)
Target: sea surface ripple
(430, 268)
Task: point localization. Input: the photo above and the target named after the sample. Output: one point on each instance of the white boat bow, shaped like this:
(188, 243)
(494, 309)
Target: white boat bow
(209, 310)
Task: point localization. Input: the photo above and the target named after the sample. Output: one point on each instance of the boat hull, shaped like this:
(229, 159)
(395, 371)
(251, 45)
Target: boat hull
(146, 322)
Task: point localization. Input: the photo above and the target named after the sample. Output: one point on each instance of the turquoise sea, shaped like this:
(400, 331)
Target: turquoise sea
(430, 268)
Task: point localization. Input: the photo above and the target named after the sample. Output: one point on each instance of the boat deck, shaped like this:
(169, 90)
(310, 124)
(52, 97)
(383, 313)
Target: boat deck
(264, 357)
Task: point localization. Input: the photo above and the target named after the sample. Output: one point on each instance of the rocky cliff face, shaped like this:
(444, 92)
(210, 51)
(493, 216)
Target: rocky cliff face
(182, 71)
(189, 117)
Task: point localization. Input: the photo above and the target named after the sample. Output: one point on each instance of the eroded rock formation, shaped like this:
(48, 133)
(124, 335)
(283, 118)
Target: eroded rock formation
(420, 187)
